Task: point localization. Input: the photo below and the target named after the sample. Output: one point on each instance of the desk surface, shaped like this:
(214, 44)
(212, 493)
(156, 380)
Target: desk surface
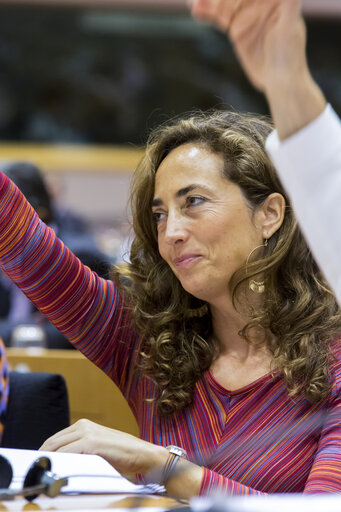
(93, 503)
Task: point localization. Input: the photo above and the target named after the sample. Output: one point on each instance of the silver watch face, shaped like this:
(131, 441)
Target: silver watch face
(180, 452)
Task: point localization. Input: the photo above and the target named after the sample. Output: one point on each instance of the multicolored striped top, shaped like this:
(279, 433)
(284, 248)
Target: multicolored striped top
(253, 440)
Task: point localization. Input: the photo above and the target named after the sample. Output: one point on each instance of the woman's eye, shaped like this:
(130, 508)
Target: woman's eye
(194, 200)
(158, 216)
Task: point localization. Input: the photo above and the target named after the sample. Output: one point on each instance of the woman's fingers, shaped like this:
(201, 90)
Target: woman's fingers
(219, 12)
(79, 430)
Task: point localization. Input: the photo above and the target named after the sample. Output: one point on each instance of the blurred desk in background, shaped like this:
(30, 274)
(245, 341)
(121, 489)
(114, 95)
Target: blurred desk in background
(80, 158)
(92, 394)
(90, 180)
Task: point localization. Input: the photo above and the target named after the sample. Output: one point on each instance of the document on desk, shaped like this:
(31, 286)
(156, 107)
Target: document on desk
(85, 473)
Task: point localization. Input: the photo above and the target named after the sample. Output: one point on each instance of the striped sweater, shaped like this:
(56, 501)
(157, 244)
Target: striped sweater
(250, 441)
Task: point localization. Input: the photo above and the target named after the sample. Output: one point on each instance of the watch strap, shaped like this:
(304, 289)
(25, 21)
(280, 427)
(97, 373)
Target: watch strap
(169, 467)
(175, 453)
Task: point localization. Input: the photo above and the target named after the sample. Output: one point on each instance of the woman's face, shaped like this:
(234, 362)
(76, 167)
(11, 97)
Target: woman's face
(206, 229)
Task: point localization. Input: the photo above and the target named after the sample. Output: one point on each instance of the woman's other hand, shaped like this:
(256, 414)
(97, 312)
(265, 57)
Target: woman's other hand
(127, 453)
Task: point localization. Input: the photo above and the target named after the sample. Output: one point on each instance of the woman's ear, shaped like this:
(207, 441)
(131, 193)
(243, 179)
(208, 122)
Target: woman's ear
(271, 214)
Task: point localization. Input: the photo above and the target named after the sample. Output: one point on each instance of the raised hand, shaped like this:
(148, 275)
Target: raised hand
(268, 35)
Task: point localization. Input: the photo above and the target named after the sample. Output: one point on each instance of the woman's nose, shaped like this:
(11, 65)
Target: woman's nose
(175, 228)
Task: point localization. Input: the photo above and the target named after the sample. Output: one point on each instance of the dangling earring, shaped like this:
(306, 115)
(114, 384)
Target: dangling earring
(256, 286)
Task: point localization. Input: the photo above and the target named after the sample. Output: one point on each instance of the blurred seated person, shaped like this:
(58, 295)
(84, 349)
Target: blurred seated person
(15, 308)
(4, 387)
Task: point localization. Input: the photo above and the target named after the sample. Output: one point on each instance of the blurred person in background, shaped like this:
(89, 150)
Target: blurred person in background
(4, 387)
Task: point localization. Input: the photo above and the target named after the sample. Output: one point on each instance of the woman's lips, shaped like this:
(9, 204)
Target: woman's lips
(186, 260)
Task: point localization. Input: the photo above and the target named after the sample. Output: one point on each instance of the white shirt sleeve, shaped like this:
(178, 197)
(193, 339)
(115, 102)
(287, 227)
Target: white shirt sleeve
(309, 166)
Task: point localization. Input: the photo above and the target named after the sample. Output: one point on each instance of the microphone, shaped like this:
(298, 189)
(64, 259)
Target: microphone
(38, 480)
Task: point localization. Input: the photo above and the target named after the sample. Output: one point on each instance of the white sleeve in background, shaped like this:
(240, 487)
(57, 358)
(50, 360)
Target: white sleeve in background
(309, 166)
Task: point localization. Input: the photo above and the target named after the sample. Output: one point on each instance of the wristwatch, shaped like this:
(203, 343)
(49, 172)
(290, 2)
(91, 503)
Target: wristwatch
(175, 452)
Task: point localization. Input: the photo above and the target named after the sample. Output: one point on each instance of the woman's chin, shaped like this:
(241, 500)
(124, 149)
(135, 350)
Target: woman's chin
(199, 291)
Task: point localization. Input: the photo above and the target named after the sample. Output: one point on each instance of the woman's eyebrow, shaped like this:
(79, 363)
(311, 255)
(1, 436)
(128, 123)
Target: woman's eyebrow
(180, 193)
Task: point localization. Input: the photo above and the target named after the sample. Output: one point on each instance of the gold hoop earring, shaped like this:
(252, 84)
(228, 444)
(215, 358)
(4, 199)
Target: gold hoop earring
(256, 286)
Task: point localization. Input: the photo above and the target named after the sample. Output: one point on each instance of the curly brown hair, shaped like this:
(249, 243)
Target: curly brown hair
(298, 307)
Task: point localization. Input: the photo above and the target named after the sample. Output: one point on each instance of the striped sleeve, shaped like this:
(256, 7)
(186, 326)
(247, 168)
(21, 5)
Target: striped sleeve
(325, 475)
(84, 307)
(213, 482)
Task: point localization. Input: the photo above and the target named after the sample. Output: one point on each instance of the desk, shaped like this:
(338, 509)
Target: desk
(92, 394)
(92, 502)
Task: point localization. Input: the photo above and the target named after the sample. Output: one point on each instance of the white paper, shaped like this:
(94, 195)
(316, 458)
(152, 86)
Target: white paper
(85, 473)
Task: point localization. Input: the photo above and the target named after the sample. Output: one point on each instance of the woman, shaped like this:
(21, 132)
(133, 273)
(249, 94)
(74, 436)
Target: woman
(220, 332)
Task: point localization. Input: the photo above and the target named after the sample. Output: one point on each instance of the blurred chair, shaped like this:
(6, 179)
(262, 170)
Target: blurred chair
(38, 407)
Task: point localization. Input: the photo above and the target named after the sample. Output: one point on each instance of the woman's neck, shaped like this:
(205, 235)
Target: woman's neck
(239, 362)
(227, 323)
